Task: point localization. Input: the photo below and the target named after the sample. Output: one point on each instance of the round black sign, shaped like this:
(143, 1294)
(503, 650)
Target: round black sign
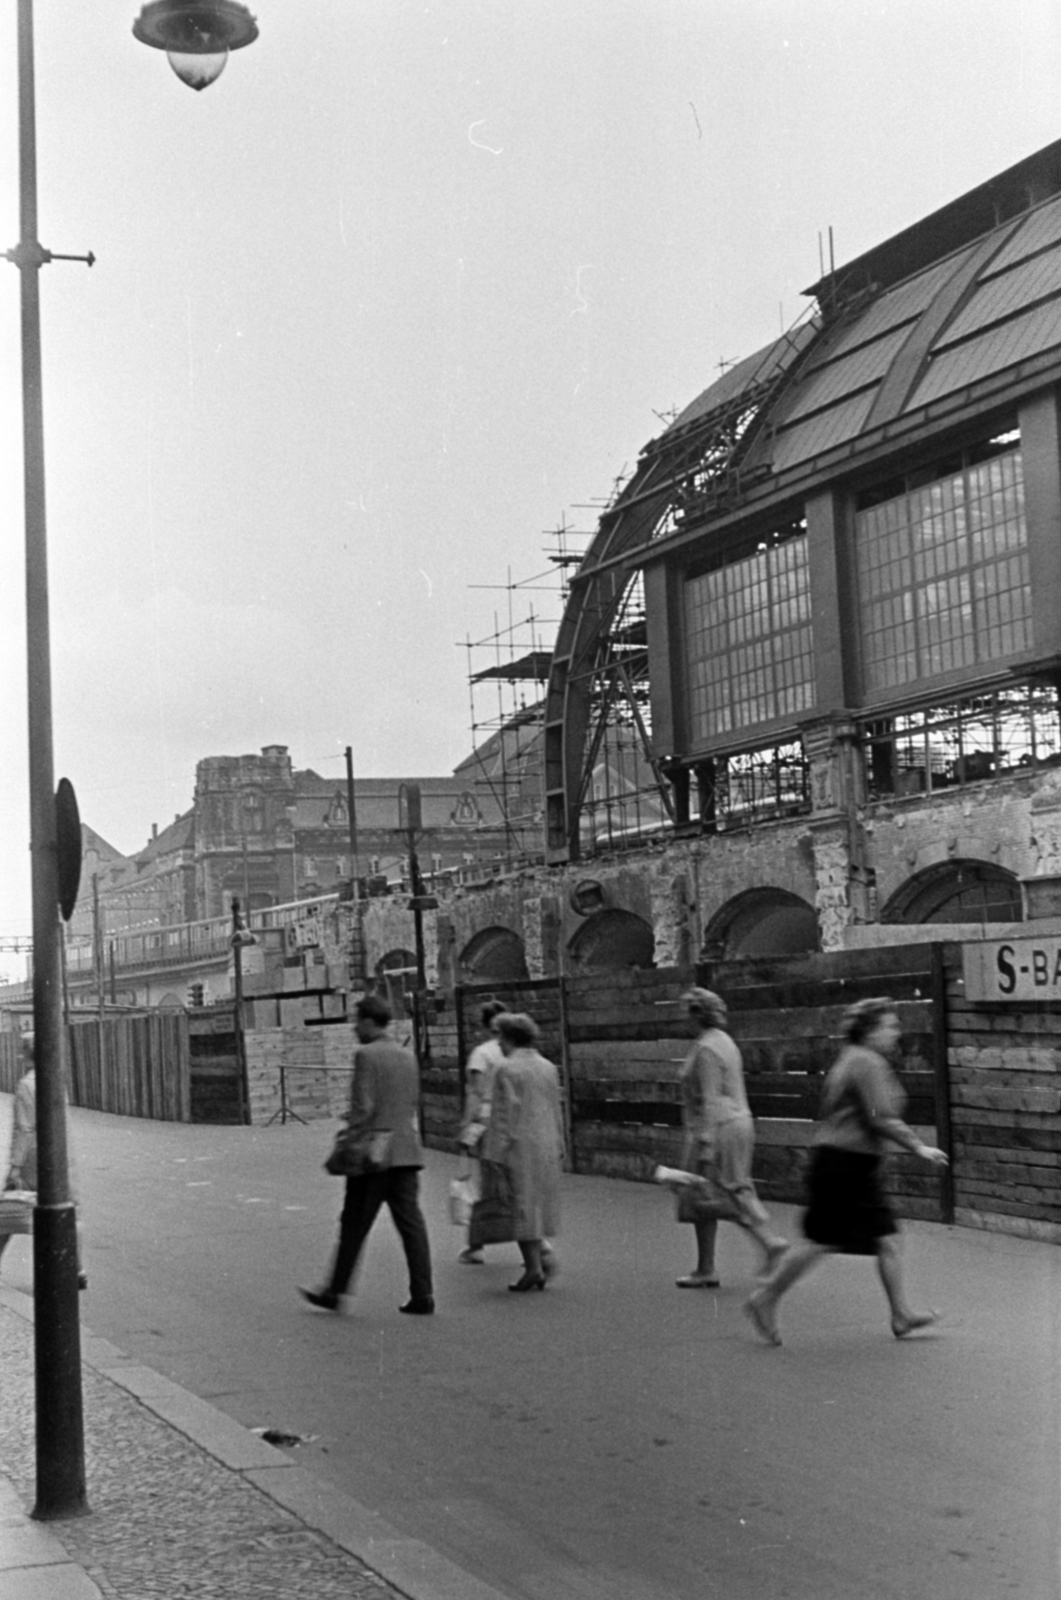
(68, 840)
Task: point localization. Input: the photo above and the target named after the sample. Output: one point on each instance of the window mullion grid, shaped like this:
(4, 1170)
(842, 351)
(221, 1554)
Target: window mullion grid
(771, 641)
(915, 586)
(976, 602)
(1033, 742)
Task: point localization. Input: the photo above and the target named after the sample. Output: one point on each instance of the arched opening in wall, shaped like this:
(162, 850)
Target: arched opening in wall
(396, 980)
(957, 891)
(761, 922)
(612, 940)
(494, 955)
(170, 1002)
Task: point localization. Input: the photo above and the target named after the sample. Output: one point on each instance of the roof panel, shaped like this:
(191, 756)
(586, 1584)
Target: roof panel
(839, 379)
(1040, 228)
(822, 431)
(1002, 295)
(899, 305)
(992, 351)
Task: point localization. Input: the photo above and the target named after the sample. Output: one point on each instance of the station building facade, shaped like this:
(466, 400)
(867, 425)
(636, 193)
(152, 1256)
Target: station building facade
(847, 552)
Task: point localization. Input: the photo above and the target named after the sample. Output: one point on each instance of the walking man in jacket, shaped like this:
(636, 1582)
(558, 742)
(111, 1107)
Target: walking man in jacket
(384, 1097)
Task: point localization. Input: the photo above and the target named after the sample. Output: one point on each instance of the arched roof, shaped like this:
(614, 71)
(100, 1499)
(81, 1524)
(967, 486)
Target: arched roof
(958, 316)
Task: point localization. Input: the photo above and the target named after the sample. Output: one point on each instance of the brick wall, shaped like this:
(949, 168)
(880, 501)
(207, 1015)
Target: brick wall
(316, 1061)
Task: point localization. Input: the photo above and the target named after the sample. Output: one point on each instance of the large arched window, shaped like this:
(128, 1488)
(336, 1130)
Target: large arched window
(612, 940)
(957, 891)
(494, 955)
(761, 922)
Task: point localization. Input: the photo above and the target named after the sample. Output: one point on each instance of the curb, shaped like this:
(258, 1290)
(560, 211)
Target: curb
(408, 1564)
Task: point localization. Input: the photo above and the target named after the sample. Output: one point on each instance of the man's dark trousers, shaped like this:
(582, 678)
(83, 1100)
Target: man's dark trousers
(399, 1187)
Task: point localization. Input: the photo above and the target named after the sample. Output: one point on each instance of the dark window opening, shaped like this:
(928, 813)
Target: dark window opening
(957, 891)
(1006, 733)
(761, 785)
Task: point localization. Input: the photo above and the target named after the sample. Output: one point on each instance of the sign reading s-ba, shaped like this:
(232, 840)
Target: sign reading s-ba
(1013, 969)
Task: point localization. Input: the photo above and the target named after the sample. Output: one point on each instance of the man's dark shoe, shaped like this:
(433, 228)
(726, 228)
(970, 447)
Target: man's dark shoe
(321, 1298)
(419, 1308)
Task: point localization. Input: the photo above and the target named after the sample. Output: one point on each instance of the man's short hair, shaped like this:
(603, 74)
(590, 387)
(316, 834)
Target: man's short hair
(373, 1009)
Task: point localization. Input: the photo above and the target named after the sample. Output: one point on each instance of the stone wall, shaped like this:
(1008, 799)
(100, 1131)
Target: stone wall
(675, 887)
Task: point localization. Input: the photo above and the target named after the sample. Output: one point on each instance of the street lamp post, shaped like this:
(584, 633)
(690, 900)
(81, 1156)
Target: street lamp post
(198, 28)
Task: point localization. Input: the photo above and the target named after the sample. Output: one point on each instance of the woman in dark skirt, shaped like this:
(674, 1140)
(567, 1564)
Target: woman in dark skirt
(862, 1104)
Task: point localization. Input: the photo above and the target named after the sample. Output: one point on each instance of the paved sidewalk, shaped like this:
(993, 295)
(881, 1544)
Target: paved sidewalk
(185, 1504)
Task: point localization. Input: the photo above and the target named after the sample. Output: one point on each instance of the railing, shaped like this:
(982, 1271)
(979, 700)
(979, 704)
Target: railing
(186, 942)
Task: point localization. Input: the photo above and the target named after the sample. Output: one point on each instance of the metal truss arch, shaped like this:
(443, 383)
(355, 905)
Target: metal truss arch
(701, 466)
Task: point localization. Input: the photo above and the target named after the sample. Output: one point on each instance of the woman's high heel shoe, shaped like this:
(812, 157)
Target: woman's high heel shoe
(529, 1280)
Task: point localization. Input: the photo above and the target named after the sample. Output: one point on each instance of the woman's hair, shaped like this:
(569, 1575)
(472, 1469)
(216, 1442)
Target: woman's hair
(491, 1009)
(861, 1018)
(708, 1006)
(517, 1029)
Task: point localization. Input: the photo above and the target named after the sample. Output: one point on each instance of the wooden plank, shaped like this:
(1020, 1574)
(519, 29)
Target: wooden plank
(882, 961)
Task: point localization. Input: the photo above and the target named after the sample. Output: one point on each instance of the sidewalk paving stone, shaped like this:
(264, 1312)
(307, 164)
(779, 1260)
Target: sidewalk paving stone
(168, 1521)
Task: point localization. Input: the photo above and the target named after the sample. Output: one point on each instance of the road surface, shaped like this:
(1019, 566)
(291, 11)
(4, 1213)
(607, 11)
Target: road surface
(613, 1438)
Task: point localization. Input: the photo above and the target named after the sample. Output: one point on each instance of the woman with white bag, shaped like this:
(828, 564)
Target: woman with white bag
(482, 1066)
(22, 1163)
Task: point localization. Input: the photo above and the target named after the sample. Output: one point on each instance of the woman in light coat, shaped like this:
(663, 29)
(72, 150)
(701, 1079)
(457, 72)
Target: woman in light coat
(525, 1136)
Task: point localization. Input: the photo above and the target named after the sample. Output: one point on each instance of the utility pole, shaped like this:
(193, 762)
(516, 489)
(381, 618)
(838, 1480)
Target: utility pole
(97, 951)
(240, 936)
(410, 813)
(358, 974)
(351, 812)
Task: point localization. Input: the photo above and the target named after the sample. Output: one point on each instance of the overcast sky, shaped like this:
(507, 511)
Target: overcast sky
(405, 287)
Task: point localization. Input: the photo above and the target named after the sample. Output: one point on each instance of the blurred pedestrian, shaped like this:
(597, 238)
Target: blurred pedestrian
(22, 1161)
(719, 1142)
(482, 1065)
(524, 1140)
(861, 1114)
(384, 1098)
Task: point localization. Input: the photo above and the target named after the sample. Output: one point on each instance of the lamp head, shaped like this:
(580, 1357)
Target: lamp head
(196, 35)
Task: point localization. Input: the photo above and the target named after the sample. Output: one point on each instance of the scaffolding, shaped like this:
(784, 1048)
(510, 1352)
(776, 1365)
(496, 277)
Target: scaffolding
(624, 797)
(508, 670)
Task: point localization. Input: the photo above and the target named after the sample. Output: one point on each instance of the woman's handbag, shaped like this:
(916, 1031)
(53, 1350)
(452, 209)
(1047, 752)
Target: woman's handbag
(494, 1214)
(16, 1210)
(699, 1195)
(356, 1154)
(706, 1202)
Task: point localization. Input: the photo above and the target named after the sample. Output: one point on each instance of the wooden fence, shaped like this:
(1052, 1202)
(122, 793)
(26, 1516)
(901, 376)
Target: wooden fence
(983, 1079)
(11, 1062)
(619, 1040)
(134, 1066)
(1005, 1067)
